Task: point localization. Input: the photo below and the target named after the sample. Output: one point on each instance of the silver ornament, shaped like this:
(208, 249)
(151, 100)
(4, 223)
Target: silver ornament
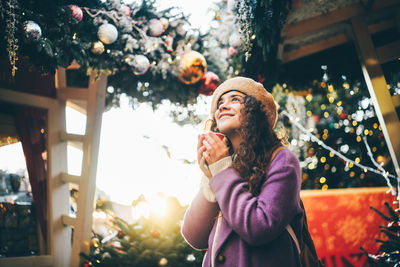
(156, 28)
(107, 33)
(140, 64)
(235, 40)
(32, 31)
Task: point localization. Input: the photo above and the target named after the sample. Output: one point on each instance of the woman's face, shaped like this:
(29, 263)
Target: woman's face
(227, 116)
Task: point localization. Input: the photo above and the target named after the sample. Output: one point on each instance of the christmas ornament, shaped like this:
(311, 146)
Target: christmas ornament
(94, 243)
(169, 42)
(232, 52)
(209, 82)
(106, 255)
(235, 40)
(140, 64)
(87, 264)
(190, 257)
(165, 23)
(97, 48)
(120, 234)
(76, 12)
(163, 262)
(107, 33)
(155, 233)
(156, 28)
(126, 10)
(192, 67)
(32, 31)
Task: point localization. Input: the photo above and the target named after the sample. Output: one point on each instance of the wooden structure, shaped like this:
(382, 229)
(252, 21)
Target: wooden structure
(315, 26)
(59, 250)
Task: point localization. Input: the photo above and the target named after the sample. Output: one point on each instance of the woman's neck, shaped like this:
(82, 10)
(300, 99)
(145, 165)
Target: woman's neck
(235, 141)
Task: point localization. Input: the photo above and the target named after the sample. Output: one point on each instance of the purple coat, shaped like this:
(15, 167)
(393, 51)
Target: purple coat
(252, 231)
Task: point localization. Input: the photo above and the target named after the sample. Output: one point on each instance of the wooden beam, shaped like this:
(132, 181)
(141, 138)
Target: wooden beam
(78, 105)
(68, 220)
(396, 100)
(60, 78)
(85, 202)
(68, 178)
(67, 93)
(332, 17)
(314, 47)
(31, 261)
(388, 52)
(376, 83)
(71, 137)
(330, 42)
(13, 96)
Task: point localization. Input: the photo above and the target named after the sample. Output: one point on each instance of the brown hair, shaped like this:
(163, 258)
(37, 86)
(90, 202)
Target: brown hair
(258, 139)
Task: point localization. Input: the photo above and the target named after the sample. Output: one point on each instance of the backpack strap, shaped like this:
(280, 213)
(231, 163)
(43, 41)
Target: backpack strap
(288, 227)
(292, 234)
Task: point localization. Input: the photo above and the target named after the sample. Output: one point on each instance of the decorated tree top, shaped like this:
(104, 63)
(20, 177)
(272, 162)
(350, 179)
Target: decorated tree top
(150, 55)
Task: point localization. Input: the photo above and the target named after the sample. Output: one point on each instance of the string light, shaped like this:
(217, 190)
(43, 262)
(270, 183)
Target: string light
(380, 170)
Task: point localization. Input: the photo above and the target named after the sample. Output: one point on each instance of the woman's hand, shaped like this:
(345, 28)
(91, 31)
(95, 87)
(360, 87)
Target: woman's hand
(200, 158)
(215, 148)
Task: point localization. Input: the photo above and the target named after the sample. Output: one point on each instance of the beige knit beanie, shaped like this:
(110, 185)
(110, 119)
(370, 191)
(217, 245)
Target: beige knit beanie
(249, 87)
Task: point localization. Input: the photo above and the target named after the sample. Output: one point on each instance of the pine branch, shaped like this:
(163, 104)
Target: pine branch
(380, 213)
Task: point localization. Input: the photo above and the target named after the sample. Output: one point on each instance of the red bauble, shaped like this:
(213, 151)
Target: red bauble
(316, 118)
(76, 12)
(209, 82)
(343, 116)
(120, 234)
(232, 51)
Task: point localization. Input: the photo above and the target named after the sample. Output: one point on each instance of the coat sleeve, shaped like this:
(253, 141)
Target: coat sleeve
(198, 221)
(260, 219)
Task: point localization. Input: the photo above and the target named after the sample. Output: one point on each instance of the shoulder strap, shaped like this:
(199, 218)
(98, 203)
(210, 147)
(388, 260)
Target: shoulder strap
(275, 152)
(292, 234)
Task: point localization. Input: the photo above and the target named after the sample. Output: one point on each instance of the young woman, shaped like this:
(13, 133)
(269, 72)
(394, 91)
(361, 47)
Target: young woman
(248, 206)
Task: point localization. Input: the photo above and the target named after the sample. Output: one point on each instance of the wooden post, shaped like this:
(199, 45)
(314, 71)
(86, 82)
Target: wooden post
(376, 83)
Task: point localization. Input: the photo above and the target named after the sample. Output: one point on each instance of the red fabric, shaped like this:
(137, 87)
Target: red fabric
(29, 123)
(340, 221)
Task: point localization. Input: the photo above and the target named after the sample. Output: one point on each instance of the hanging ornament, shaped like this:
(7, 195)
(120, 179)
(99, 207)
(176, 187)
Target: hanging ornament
(165, 23)
(192, 67)
(169, 42)
(87, 264)
(155, 233)
(120, 234)
(106, 255)
(126, 10)
(156, 28)
(76, 12)
(235, 40)
(209, 82)
(163, 262)
(232, 52)
(97, 48)
(94, 243)
(107, 33)
(32, 31)
(190, 258)
(140, 64)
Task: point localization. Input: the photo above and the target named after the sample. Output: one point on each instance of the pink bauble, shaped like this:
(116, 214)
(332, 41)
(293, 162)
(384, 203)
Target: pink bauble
(232, 51)
(209, 82)
(76, 12)
(126, 10)
(156, 28)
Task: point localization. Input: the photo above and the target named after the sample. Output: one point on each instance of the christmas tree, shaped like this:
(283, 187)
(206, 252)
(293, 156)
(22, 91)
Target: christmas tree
(340, 114)
(390, 249)
(151, 241)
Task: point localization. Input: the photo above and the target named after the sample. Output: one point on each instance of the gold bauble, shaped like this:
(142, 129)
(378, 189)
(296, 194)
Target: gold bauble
(163, 262)
(94, 243)
(97, 48)
(192, 67)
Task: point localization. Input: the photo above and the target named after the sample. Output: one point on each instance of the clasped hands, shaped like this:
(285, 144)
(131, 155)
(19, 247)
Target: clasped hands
(210, 149)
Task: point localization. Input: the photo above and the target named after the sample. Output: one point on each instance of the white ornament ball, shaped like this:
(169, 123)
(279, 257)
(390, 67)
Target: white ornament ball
(126, 10)
(156, 28)
(107, 33)
(32, 31)
(235, 40)
(165, 23)
(140, 64)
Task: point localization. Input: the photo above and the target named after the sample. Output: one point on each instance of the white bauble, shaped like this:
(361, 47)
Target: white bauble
(140, 64)
(235, 40)
(156, 28)
(107, 33)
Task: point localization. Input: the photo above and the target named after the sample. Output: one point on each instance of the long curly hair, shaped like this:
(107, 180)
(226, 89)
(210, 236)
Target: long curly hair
(253, 155)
